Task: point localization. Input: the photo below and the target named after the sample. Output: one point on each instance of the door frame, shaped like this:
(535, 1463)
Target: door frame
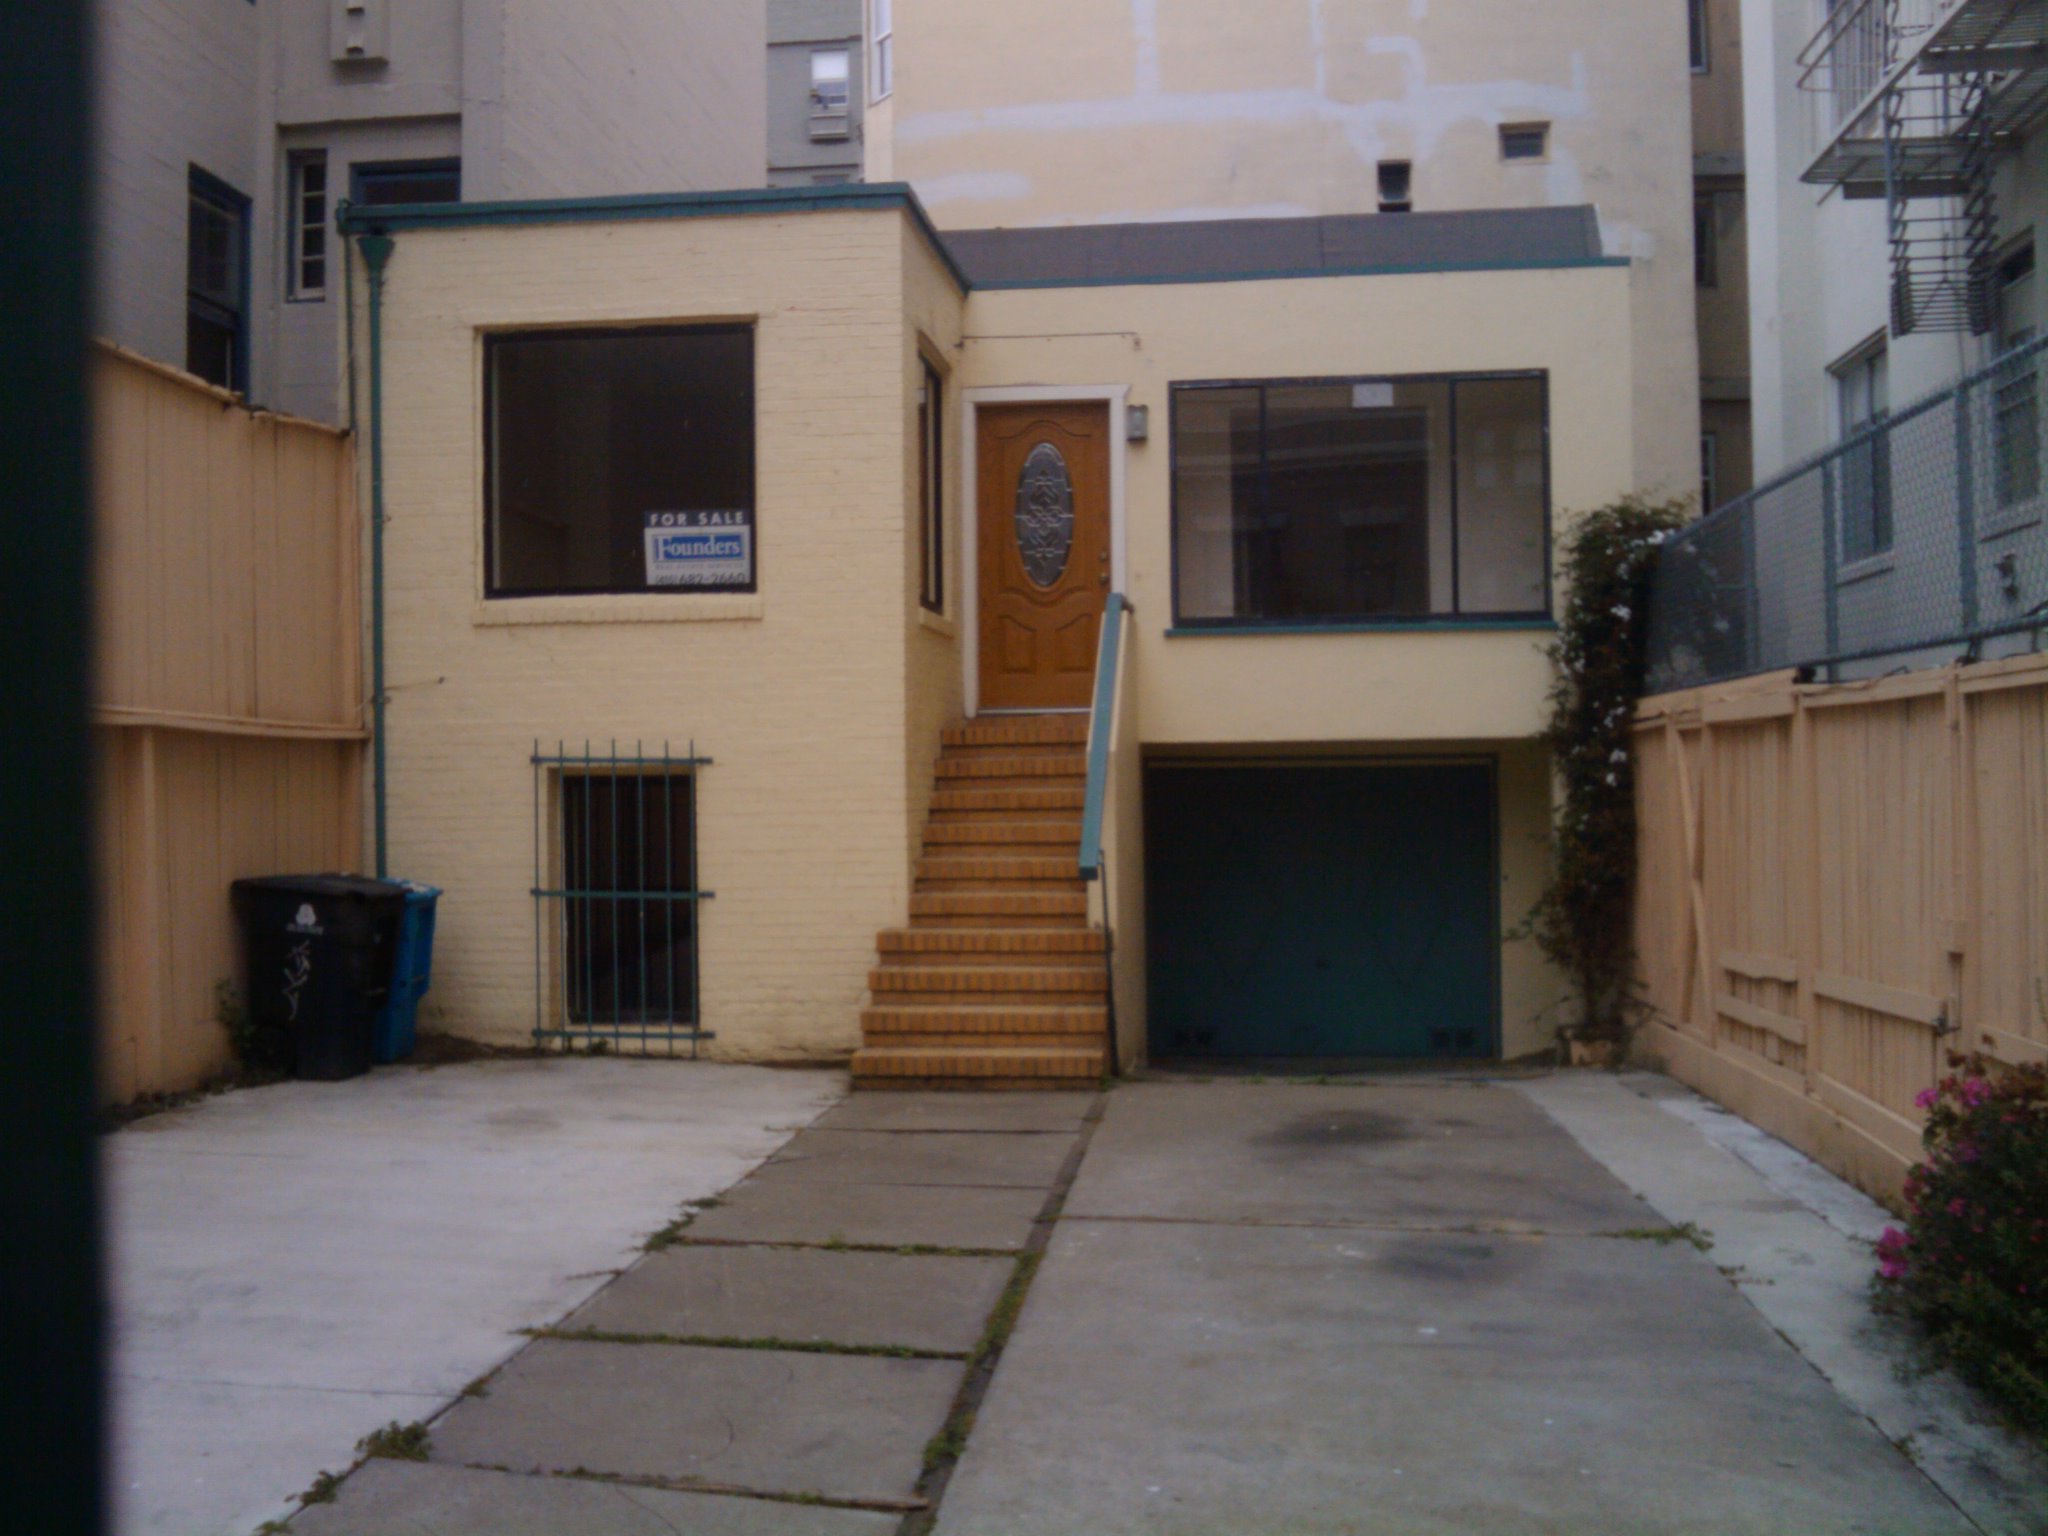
(1117, 397)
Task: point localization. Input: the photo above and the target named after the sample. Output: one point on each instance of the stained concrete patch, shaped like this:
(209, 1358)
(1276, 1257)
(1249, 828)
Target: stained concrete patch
(844, 1426)
(398, 1498)
(932, 1302)
(1330, 1381)
(872, 1157)
(1015, 1112)
(1392, 1154)
(764, 1210)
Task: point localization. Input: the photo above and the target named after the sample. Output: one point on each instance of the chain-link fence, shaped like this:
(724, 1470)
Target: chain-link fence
(1919, 540)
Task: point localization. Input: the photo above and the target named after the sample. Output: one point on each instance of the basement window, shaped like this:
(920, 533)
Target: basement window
(1361, 501)
(618, 895)
(619, 461)
(308, 227)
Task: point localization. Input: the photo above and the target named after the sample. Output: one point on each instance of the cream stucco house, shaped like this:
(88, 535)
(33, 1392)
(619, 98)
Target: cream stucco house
(1009, 627)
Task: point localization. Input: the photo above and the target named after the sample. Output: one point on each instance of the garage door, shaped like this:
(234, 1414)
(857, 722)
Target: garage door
(1322, 911)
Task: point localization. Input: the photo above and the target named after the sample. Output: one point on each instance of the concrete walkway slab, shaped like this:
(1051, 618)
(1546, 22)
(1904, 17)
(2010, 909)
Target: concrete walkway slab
(799, 1211)
(872, 1157)
(402, 1498)
(1394, 1154)
(1385, 1308)
(808, 1294)
(844, 1426)
(1797, 1243)
(1021, 1112)
(293, 1266)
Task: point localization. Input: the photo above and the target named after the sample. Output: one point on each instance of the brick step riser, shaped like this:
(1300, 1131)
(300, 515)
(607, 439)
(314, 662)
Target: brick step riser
(1070, 855)
(944, 923)
(957, 750)
(988, 959)
(880, 1084)
(1067, 730)
(1082, 946)
(1025, 841)
(967, 804)
(998, 997)
(1002, 869)
(896, 1041)
(983, 886)
(987, 1023)
(1054, 771)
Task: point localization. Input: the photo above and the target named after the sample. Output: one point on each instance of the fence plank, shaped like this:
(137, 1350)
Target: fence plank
(1893, 1002)
(1784, 1026)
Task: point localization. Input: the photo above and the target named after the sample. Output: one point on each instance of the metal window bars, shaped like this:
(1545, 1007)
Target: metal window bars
(1918, 538)
(616, 898)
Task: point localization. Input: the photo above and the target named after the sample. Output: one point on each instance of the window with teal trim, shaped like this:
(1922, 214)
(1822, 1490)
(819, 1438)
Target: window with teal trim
(1361, 500)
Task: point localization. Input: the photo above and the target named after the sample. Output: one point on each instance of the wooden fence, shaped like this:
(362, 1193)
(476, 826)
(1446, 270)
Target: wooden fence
(1839, 886)
(229, 696)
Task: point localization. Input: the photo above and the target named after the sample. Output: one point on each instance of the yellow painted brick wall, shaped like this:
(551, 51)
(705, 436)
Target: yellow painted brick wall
(934, 314)
(797, 693)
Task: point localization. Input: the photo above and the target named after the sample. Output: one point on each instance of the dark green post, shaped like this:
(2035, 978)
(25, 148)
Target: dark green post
(51, 1464)
(376, 251)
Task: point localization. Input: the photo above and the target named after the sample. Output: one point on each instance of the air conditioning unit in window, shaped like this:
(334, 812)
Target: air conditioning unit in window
(830, 125)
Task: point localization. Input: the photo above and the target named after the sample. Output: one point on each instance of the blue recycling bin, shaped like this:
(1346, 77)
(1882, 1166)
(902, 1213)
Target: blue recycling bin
(396, 1031)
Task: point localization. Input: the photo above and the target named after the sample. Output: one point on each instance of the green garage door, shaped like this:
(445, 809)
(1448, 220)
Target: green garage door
(1322, 911)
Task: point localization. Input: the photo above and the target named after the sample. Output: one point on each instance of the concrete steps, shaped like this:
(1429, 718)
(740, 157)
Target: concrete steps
(997, 981)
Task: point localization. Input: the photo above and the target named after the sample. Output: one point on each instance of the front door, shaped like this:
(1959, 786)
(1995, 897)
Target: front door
(1043, 538)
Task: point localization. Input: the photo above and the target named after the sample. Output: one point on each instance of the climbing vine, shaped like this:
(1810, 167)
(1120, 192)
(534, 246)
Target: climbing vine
(1582, 920)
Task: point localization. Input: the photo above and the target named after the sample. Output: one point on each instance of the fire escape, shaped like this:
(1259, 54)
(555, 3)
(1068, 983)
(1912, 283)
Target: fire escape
(1915, 102)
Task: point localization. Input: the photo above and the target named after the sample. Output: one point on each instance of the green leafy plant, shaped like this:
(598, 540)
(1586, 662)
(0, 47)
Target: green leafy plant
(261, 1054)
(1582, 919)
(1970, 1268)
(395, 1442)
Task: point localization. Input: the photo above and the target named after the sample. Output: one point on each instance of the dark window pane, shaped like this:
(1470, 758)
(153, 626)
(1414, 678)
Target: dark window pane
(210, 349)
(589, 433)
(1360, 500)
(626, 844)
(378, 186)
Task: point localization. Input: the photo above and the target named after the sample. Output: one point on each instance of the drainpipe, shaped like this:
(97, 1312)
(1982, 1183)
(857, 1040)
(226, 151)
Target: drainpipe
(376, 251)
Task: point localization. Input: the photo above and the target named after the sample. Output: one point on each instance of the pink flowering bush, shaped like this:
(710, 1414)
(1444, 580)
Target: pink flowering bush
(1971, 1266)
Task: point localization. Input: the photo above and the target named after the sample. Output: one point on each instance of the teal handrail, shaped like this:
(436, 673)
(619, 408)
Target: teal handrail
(1101, 722)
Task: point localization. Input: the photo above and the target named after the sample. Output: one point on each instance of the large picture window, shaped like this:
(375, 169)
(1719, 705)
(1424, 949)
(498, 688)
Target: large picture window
(1361, 501)
(620, 461)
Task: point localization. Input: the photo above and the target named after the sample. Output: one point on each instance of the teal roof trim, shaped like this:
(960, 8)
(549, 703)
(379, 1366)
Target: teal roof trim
(396, 217)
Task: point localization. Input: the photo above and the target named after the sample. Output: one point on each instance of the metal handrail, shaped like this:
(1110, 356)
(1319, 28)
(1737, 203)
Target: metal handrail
(1101, 724)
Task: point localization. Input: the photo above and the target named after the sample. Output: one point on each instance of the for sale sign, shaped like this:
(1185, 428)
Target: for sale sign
(710, 551)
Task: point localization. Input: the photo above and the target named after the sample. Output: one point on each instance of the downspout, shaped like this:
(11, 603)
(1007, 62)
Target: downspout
(376, 251)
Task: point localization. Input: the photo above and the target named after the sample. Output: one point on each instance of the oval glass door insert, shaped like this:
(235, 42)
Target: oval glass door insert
(1045, 515)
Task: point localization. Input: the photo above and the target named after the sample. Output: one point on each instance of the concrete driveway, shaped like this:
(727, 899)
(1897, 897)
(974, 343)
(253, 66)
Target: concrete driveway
(295, 1266)
(1401, 1308)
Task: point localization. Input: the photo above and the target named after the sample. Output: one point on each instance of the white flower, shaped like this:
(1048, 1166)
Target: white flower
(1620, 610)
(1658, 537)
(1617, 757)
(1613, 782)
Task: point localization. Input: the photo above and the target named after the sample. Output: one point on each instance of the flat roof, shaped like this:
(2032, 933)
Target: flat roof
(1097, 255)
(1242, 250)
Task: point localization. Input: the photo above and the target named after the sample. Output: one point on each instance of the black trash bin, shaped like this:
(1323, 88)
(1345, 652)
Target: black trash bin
(317, 952)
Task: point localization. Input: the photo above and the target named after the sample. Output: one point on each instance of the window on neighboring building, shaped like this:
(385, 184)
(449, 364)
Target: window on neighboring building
(620, 461)
(216, 281)
(1863, 492)
(2016, 388)
(1361, 500)
(1524, 141)
(629, 917)
(1397, 179)
(830, 85)
(1706, 255)
(1710, 471)
(931, 490)
(406, 181)
(306, 275)
(883, 33)
(1696, 26)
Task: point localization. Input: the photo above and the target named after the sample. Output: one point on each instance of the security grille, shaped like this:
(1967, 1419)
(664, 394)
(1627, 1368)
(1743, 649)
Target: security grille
(616, 898)
(1919, 540)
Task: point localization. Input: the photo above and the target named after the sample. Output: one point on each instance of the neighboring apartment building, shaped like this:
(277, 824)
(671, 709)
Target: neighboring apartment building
(230, 130)
(1899, 175)
(1720, 248)
(1898, 190)
(1128, 594)
(816, 92)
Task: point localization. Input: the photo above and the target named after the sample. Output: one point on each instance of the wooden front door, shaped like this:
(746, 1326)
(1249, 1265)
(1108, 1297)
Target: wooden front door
(1043, 549)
